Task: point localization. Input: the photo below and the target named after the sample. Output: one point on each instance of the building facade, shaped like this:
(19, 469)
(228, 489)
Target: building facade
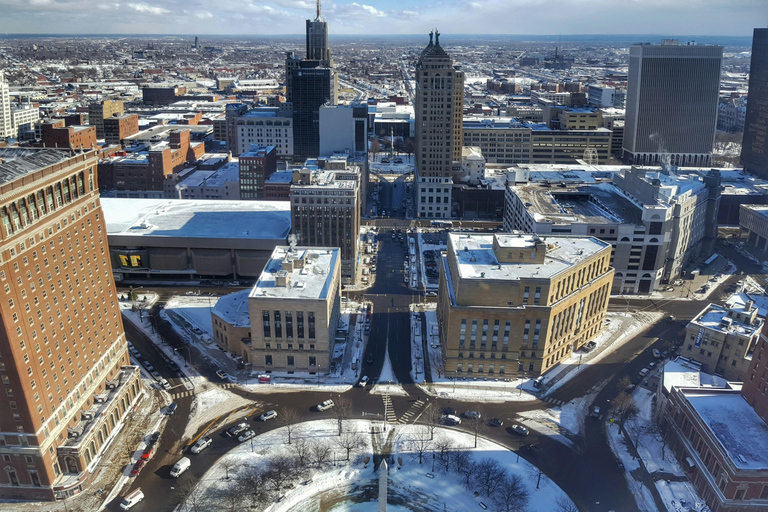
(439, 106)
(6, 120)
(311, 87)
(502, 140)
(672, 98)
(510, 304)
(266, 127)
(56, 135)
(256, 166)
(288, 321)
(754, 147)
(68, 384)
(755, 389)
(120, 126)
(99, 111)
(325, 212)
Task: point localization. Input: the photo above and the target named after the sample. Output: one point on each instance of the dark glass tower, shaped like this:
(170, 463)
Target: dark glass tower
(754, 148)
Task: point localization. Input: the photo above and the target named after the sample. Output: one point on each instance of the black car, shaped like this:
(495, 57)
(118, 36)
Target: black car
(495, 422)
(448, 411)
(173, 367)
(154, 438)
(533, 449)
(369, 359)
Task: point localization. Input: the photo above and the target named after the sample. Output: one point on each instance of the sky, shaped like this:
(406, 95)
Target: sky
(274, 17)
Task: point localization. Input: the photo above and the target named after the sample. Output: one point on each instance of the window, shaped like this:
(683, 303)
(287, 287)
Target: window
(278, 325)
(288, 324)
(311, 323)
(290, 360)
(265, 320)
(268, 360)
(312, 361)
(739, 494)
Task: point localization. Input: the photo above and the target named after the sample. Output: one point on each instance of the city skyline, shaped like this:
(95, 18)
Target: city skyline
(285, 17)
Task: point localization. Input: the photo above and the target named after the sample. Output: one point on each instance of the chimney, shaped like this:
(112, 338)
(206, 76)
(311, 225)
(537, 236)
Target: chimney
(283, 279)
(749, 305)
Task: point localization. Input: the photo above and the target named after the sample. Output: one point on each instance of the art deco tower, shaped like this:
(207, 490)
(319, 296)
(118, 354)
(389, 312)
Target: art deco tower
(317, 40)
(439, 130)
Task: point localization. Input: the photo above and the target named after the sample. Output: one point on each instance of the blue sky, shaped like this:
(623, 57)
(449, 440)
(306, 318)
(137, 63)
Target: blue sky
(266, 17)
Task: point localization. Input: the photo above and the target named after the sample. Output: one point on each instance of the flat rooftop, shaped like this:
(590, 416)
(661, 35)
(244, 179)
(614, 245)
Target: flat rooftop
(712, 318)
(477, 259)
(684, 372)
(600, 203)
(229, 172)
(758, 209)
(735, 425)
(233, 309)
(192, 218)
(16, 163)
(312, 281)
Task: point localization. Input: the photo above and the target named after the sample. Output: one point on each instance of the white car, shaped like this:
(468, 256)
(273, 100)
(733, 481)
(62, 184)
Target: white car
(165, 384)
(269, 415)
(363, 381)
(328, 404)
(246, 435)
(201, 445)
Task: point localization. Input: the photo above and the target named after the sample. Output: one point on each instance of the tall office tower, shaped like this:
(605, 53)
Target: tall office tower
(6, 118)
(439, 129)
(99, 111)
(312, 87)
(317, 40)
(672, 99)
(754, 146)
(68, 385)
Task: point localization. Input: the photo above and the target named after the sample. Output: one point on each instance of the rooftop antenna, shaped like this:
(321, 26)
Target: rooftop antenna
(318, 18)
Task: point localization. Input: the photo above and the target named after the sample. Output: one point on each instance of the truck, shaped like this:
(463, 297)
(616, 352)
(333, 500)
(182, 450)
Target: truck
(181, 466)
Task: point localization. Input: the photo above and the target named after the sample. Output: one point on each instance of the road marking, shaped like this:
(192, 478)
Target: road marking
(204, 431)
(411, 411)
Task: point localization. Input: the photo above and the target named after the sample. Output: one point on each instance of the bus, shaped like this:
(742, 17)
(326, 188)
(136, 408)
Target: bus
(442, 224)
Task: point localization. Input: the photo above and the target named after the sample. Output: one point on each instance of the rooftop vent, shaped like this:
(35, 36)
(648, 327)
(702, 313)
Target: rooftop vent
(282, 278)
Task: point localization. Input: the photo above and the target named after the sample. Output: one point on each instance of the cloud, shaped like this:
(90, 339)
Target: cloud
(148, 9)
(203, 15)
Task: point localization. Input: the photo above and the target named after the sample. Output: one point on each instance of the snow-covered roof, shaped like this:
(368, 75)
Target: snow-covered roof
(312, 280)
(192, 218)
(739, 301)
(476, 258)
(735, 425)
(712, 318)
(233, 309)
(228, 173)
(685, 373)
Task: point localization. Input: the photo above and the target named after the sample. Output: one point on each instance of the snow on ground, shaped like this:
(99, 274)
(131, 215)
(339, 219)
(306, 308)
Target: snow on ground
(561, 421)
(387, 382)
(353, 486)
(656, 458)
(209, 405)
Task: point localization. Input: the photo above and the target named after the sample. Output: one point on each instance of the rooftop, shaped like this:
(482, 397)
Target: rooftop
(311, 279)
(192, 218)
(735, 425)
(683, 372)
(280, 177)
(716, 318)
(233, 309)
(16, 163)
(477, 260)
(227, 173)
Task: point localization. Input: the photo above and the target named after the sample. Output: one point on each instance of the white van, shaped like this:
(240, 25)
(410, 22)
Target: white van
(132, 499)
(180, 467)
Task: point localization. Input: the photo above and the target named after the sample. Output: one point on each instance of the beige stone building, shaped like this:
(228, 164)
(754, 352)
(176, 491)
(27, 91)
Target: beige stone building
(296, 304)
(514, 303)
(722, 339)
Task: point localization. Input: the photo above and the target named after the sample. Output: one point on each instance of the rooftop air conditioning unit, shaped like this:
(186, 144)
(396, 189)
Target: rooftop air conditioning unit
(86, 415)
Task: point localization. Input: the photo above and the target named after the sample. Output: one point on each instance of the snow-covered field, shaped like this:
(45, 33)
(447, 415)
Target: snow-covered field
(346, 486)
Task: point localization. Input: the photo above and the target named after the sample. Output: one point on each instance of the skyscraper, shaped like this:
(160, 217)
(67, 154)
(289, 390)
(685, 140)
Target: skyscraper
(6, 119)
(317, 40)
(68, 384)
(672, 99)
(754, 147)
(439, 129)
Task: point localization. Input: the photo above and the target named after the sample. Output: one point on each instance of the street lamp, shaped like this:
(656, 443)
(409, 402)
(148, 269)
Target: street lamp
(189, 355)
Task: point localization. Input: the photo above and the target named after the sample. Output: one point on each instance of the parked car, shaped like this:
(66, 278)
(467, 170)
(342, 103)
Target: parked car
(495, 422)
(181, 466)
(448, 411)
(164, 384)
(269, 415)
(220, 374)
(173, 367)
(363, 381)
(171, 408)
(369, 359)
(138, 467)
(534, 449)
(154, 438)
(450, 419)
(644, 372)
(131, 499)
(519, 429)
(246, 435)
(201, 445)
(148, 366)
(472, 415)
(238, 429)
(328, 404)
(147, 453)
(596, 411)
(656, 354)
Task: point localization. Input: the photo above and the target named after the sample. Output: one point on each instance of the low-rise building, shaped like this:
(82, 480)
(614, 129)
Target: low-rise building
(266, 126)
(722, 339)
(56, 135)
(514, 303)
(288, 321)
(278, 186)
(753, 223)
(24, 118)
(223, 183)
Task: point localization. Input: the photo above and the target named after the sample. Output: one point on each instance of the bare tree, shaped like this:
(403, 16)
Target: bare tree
(433, 416)
(436, 362)
(488, 474)
(350, 440)
(290, 418)
(375, 147)
(227, 465)
(510, 495)
(187, 492)
(420, 444)
(536, 472)
(280, 470)
(624, 384)
(444, 446)
(302, 449)
(564, 504)
(476, 426)
(231, 495)
(624, 407)
(320, 453)
(465, 466)
(343, 411)
(252, 485)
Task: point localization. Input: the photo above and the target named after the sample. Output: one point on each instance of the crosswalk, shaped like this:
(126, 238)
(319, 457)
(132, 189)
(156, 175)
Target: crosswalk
(553, 401)
(182, 394)
(408, 416)
(388, 409)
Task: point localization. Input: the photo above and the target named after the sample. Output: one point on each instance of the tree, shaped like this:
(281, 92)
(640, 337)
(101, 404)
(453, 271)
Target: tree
(375, 147)
(489, 473)
(252, 485)
(280, 470)
(231, 495)
(624, 407)
(343, 411)
(302, 449)
(133, 295)
(290, 418)
(433, 416)
(476, 426)
(320, 452)
(465, 466)
(350, 441)
(444, 446)
(623, 384)
(564, 504)
(227, 465)
(409, 148)
(436, 362)
(420, 444)
(510, 495)
(187, 492)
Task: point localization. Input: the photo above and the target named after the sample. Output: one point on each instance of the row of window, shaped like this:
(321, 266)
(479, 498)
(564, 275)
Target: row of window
(276, 325)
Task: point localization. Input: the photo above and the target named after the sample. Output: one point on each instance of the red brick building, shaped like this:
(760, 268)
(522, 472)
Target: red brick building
(278, 186)
(256, 166)
(65, 372)
(56, 135)
(755, 390)
(118, 127)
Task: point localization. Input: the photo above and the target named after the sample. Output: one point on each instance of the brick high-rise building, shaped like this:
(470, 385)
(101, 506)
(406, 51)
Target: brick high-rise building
(754, 148)
(256, 166)
(439, 129)
(755, 389)
(118, 127)
(66, 376)
(99, 111)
